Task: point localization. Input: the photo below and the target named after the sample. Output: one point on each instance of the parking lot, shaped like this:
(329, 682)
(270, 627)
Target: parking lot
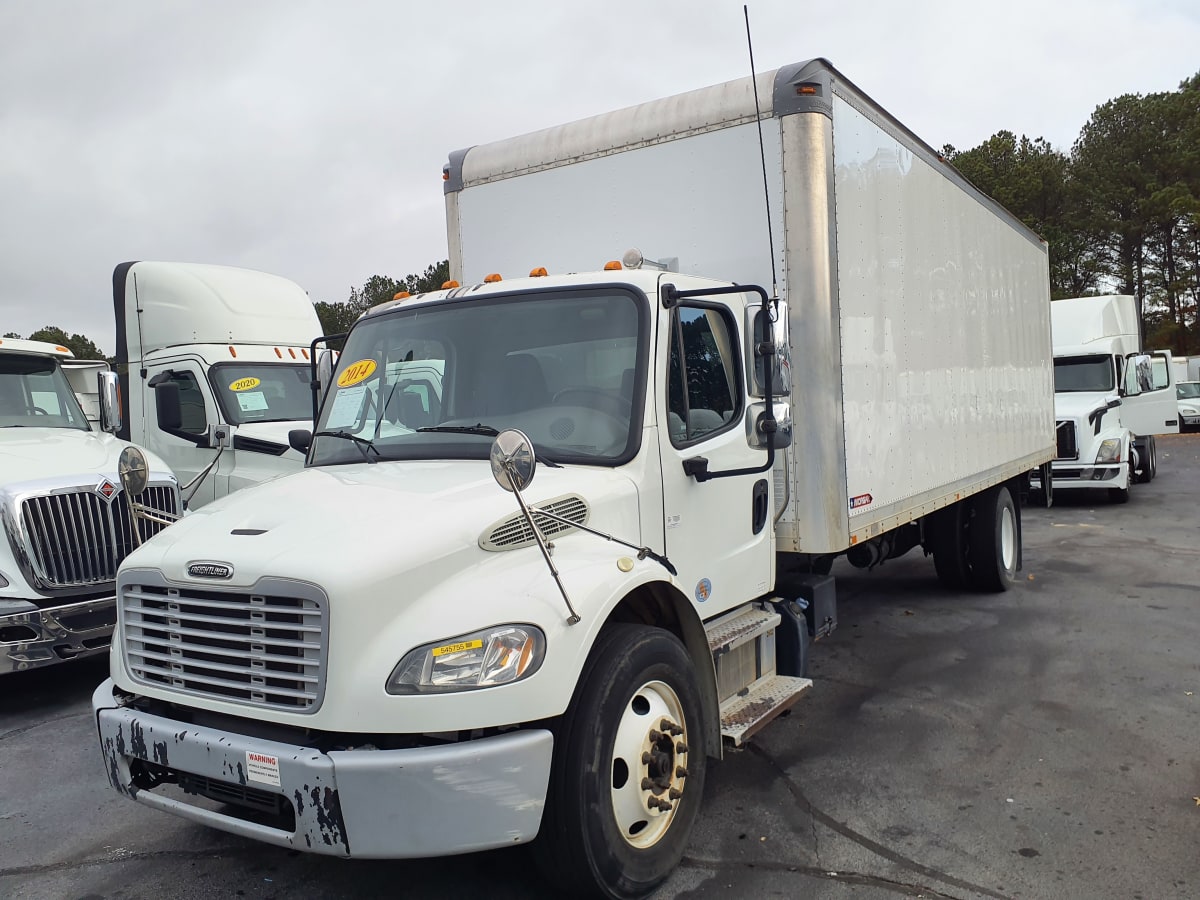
(1040, 743)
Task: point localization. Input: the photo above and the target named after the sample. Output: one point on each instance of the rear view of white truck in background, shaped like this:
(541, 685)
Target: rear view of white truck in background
(387, 655)
(1111, 397)
(214, 358)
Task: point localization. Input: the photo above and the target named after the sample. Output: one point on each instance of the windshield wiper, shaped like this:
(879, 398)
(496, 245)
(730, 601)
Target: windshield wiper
(488, 431)
(480, 428)
(362, 443)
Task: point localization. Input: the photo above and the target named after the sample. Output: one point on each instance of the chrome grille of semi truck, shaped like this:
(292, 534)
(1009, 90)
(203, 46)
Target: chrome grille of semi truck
(78, 539)
(262, 649)
(1064, 431)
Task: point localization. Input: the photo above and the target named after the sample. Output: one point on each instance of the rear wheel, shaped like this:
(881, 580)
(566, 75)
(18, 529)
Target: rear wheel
(948, 542)
(629, 764)
(994, 540)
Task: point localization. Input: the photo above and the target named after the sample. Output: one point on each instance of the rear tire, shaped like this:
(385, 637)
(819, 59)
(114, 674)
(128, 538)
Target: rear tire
(994, 541)
(604, 833)
(948, 543)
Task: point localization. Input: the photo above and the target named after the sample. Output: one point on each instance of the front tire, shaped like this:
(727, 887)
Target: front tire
(628, 774)
(995, 541)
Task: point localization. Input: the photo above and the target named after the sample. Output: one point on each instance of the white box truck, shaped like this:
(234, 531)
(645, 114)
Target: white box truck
(66, 521)
(1111, 398)
(214, 358)
(406, 660)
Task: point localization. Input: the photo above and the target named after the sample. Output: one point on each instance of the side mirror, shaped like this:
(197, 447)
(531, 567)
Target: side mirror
(325, 363)
(300, 439)
(513, 460)
(109, 389)
(167, 405)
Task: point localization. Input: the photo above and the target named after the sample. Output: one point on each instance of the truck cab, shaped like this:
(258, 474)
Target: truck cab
(66, 520)
(214, 358)
(1110, 397)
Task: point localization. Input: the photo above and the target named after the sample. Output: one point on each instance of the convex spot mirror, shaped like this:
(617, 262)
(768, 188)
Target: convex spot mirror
(513, 460)
(133, 471)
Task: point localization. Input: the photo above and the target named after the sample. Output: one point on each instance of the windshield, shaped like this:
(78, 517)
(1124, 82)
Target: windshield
(263, 392)
(1188, 390)
(439, 381)
(34, 393)
(1083, 373)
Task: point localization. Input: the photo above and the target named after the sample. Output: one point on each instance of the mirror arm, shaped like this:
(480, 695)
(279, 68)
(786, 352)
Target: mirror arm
(514, 482)
(194, 484)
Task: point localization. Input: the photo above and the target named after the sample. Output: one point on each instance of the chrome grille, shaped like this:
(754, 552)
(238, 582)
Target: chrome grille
(514, 532)
(78, 539)
(1064, 431)
(262, 649)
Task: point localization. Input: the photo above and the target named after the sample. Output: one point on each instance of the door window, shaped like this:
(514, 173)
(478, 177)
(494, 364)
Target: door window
(703, 392)
(193, 418)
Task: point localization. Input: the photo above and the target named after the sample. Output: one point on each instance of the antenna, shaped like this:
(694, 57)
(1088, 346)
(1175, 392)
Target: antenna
(762, 154)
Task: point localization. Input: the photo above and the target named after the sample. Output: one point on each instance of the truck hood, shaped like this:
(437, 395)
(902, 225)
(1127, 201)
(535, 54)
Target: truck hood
(64, 456)
(1081, 404)
(346, 527)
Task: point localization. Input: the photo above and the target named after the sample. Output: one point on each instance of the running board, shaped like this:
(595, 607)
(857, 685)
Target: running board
(745, 713)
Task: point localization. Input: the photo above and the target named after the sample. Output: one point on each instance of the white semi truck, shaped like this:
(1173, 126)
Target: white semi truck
(65, 518)
(1111, 397)
(214, 358)
(387, 655)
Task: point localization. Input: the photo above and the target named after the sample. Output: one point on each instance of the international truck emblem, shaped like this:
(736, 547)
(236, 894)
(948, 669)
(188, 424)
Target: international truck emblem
(106, 489)
(209, 570)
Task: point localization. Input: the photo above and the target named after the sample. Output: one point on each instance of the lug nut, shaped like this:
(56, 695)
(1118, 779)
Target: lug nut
(681, 747)
(654, 736)
(674, 793)
(647, 784)
(647, 758)
(681, 772)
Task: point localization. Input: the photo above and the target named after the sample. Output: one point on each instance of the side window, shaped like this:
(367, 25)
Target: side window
(191, 403)
(703, 393)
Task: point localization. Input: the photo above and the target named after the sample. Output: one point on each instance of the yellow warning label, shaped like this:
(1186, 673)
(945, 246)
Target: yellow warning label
(457, 648)
(244, 384)
(356, 372)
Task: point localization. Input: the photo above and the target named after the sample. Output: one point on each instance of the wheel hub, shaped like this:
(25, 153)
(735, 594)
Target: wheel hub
(649, 764)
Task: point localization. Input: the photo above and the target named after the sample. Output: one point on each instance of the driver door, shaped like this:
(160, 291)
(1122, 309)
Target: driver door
(718, 533)
(1154, 409)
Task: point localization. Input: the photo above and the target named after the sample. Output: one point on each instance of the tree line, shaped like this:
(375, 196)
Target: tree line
(1121, 210)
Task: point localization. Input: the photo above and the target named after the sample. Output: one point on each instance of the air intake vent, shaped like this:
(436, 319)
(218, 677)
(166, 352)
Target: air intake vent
(514, 532)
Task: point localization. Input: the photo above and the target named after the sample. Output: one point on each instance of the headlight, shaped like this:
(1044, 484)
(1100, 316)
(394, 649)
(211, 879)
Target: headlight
(1110, 451)
(488, 658)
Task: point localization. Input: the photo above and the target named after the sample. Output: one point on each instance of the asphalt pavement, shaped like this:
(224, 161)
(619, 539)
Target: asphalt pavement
(1041, 743)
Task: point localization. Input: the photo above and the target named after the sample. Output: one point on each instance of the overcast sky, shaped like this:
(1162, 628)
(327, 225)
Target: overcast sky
(307, 138)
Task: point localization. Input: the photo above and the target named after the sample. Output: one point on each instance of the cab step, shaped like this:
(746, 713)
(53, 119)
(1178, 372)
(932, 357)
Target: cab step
(730, 633)
(743, 714)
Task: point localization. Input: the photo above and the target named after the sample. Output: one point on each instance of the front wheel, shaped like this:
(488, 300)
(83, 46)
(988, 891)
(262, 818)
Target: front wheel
(629, 763)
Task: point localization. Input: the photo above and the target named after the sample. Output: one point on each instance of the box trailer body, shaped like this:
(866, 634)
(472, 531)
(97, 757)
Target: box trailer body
(233, 344)
(1111, 397)
(65, 520)
(558, 659)
(919, 330)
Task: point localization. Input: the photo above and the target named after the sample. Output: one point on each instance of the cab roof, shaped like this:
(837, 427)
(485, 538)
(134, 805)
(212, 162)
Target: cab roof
(34, 348)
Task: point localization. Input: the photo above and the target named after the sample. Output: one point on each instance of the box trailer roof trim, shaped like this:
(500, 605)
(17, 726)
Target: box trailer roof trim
(689, 114)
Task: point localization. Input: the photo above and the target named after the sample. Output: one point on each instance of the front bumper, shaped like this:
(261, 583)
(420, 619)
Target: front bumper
(363, 803)
(33, 638)
(1073, 475)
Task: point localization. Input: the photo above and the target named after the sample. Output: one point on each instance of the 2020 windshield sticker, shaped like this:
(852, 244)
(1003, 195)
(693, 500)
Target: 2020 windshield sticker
(356, 372)
(703, 590)
(244, 384)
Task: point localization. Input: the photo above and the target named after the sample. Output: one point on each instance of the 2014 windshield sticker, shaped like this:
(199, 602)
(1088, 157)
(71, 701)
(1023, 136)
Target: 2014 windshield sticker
(244, 384)
(861, 500)
(703, 590)
(356, 372)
